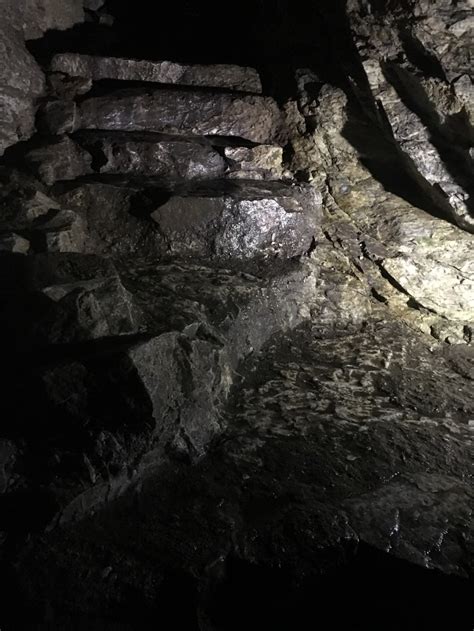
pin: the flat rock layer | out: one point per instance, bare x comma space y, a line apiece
243, 220
215, 76
253, 118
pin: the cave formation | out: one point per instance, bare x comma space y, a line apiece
237, 307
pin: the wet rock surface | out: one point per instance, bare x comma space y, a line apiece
245, 221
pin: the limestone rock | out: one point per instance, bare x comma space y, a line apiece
215, 76
254, 118
146, 155
263, 162
245, 221
61, 160
21, 84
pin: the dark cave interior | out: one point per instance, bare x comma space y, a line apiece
209, 520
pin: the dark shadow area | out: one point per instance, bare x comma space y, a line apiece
386, 163
373, 591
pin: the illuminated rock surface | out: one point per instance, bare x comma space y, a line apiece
236, 316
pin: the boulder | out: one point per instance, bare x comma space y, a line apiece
244, 221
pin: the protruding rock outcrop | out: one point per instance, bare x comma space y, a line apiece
167, 72
254, 118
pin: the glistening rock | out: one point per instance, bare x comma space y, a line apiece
243, 220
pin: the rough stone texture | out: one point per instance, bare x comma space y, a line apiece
21, 84
215, 443
169, 159
254, 118
63, 87
215, 76
264, 162
21, 212
416, 131
58, 117
196, 322
67, 298
61, 160
321, 454
113, 223
426, 258
413, 65
34, 17
245, 221
14, 243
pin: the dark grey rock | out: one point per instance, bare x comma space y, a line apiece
254, 118
318, 456
243, 221
35, 17
63, 87
21, 84
11, 242
97, 68
62, 160
113, 222
21, 210
264, 162
68, 298
169, 159
41, 221
58, 117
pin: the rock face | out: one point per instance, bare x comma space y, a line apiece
21, 84
169, 159
34, 17
253, 118
216, 76
247, 221
418, 70
236, 316
61, 160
